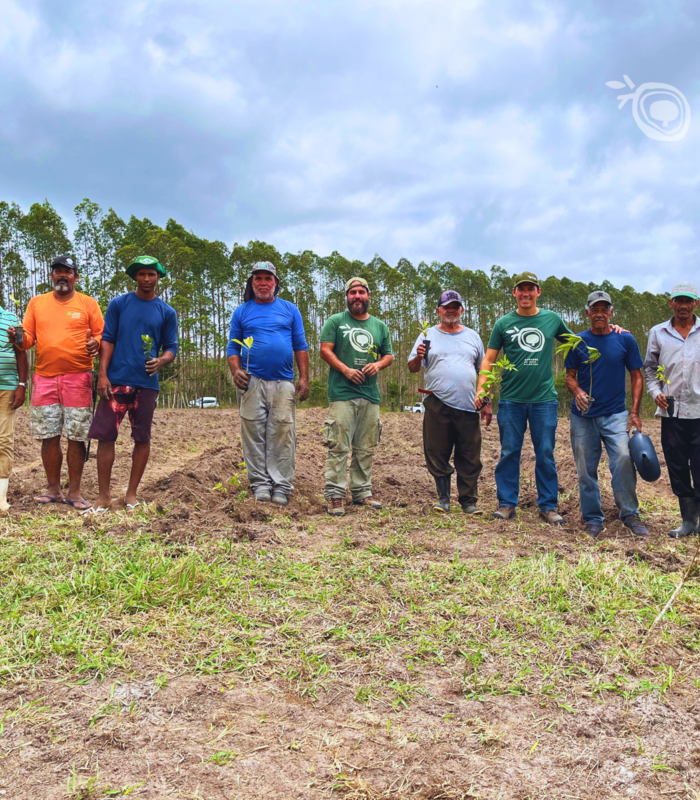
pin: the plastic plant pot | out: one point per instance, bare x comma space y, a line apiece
591, 400
671, 400
19, 334
426, 342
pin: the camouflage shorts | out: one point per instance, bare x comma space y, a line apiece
49, 421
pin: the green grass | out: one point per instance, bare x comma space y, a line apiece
383, 620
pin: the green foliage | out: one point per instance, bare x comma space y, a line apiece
424, 327
571, 342
661, 376
494, 375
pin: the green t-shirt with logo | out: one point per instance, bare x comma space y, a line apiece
528, 343
351, 338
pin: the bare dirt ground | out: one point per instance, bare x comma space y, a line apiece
221, 648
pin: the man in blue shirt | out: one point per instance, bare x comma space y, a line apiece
128, 374
601, 418
263, 371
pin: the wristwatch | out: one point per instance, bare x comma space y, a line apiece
23, 385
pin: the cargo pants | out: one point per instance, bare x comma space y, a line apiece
351, 425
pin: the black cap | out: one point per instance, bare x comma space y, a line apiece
65, 261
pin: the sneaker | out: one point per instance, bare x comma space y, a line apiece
263, 496
551, 516
442, 504
368, 501
635, 525
504, 512
594, 530
279, 498
336, 507
471, 508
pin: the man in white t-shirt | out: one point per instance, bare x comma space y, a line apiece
451, 421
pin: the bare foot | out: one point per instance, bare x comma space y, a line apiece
78, 503
131, 500
45, 499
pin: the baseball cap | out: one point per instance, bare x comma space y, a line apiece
450, 296
598, 297
65, 261
526, 277
361, 281
264, 266
685, 289
145, 261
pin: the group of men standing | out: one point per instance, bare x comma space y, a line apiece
357, 346
138, 337
68, 332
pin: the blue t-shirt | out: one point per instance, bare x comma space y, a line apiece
278, 332
129, 317
618, 352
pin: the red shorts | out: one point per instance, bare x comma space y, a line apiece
140, 405
69, 391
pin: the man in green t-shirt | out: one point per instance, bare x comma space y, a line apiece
14, 368
526, 337
356, 346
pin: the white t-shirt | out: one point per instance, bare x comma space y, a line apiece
454, 361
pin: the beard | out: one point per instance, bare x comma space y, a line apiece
62, 285
264, 294
363, 303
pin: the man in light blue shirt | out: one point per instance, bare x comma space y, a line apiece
263, 371
451, 421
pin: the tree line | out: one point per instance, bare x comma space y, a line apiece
206, 280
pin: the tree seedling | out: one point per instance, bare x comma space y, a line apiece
571, 342
670, 399
372, 351
19, 330
494, 375
248, 344
424, 326
147, 343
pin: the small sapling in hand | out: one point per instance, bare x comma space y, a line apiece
494, 375
19, 330
571, 342
424, 326
248, 344
670, 399
147, 343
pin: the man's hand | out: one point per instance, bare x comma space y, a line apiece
17, 398
104, 388
618, 329
486, 414
634, 421
420, 350
154, 365
11, 334
241, 378
480, 402
371, 369
91, 345
581, 400
302, 390
662, 402
355, 375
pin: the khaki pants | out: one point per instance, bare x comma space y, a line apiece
351, 424
268, 433
7, 433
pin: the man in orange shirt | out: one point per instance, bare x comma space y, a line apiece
66, 327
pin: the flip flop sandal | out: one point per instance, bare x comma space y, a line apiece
78, 505
41, 502
132, 506
92, 511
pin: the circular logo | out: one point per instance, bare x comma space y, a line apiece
530, 339
661, 111
360, 339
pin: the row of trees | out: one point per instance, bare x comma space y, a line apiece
206, 280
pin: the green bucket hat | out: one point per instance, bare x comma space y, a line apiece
145, 261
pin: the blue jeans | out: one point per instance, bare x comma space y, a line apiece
588, 434
513, 419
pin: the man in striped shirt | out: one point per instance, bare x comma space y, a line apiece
14, 367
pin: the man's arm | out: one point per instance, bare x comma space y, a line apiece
302, 359
415, 364
104, 387
156, 363
572, 384
375, 366
240, 376
637, 388
18, 396
357, 376
487, 364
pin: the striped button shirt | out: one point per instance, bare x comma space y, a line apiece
8, 362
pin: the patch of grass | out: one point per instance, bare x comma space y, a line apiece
537, 625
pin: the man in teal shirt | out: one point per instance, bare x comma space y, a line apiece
526, 337
356, 346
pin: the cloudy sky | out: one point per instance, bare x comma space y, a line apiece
461, 130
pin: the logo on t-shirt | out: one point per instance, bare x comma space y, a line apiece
529, 339
359, 338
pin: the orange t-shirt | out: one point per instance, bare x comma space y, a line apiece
60, 332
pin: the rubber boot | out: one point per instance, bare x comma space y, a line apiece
443, 488
4, 505
689, 514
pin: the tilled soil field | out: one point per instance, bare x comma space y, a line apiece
210, 647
